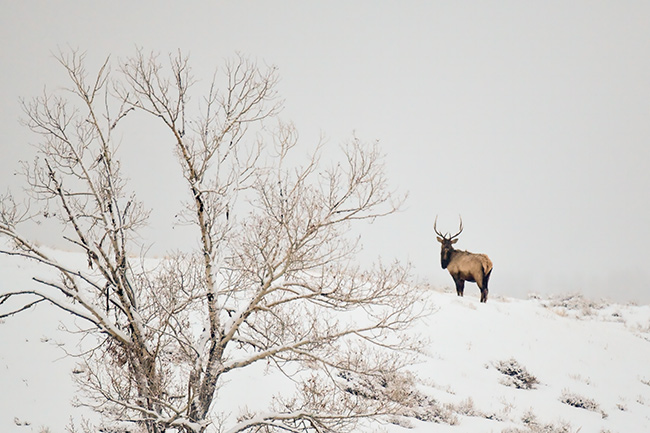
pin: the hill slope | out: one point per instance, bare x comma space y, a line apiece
587, 366
589, 355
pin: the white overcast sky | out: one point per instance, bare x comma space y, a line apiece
529, 118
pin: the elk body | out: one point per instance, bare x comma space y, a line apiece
463, 265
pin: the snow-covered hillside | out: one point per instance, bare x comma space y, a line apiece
506, 366
578, 351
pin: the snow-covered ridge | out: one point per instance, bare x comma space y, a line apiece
571, 346
586, 363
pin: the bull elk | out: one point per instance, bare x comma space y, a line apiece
463, 265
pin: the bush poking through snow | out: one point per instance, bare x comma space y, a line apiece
532, 425
516, 375
581, 402
397, 390
575, 302
574, 305
466, 407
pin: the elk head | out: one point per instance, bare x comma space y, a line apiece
447, 242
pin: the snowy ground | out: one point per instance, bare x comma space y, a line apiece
589, 354
574, 348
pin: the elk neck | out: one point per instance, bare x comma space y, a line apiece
446, 255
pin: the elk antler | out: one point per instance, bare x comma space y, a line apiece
435, 228
461, 228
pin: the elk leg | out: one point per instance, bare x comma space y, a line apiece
484, 287
460, 286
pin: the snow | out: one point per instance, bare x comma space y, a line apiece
592, 350
36, 388
601, 357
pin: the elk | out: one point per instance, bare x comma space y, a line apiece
463, 265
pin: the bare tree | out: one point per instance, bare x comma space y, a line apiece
274, 278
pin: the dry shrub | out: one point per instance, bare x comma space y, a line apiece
581, 402
532, 425
516, 375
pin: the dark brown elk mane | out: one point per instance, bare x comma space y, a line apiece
463, 265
